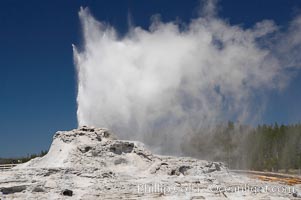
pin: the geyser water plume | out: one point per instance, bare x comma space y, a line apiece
160, 84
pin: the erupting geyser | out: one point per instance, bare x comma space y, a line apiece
156, 85
161, 86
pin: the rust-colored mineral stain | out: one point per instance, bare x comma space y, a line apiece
287, 179
284, 180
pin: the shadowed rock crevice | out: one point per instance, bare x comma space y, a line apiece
13, 189
122, 147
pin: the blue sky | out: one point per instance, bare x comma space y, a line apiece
37, 76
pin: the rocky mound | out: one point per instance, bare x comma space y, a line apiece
91, 163
98, 148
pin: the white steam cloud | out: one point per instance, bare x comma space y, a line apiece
159, 84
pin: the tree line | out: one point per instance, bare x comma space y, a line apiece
266, 147
22, 159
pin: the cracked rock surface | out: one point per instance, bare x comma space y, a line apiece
90, 163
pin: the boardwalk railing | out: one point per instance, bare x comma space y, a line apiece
7, 166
